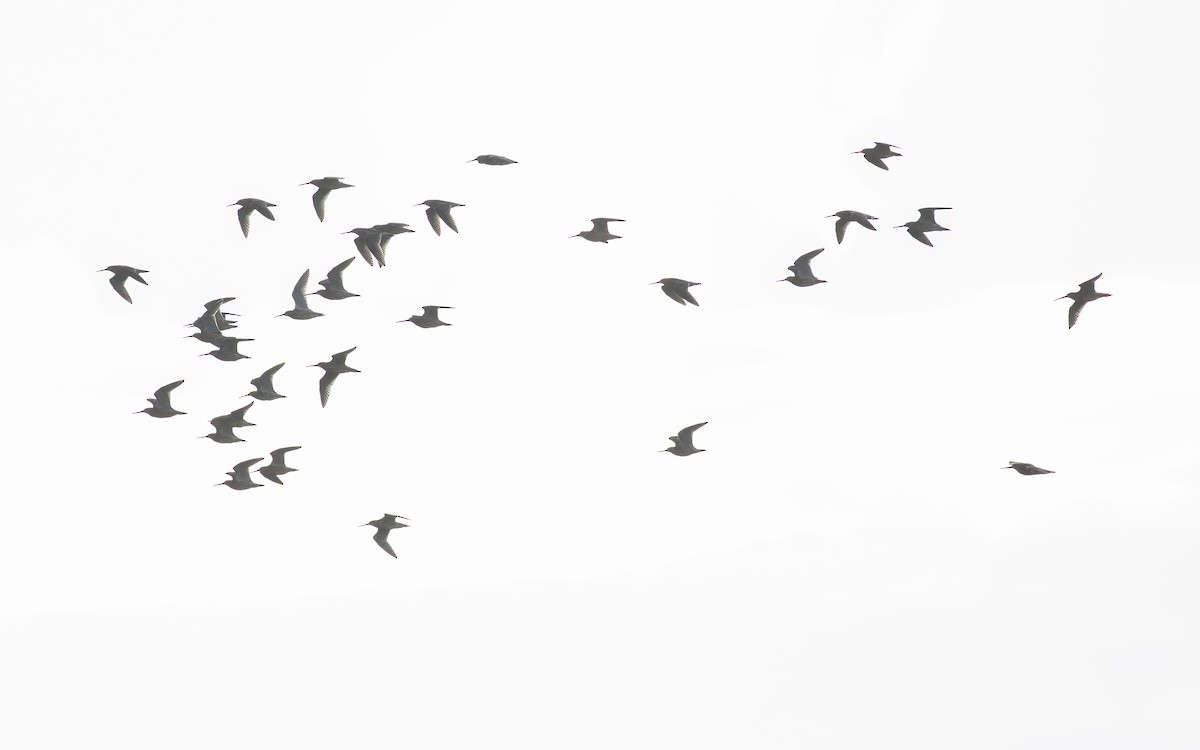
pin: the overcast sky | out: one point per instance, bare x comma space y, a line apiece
844, 567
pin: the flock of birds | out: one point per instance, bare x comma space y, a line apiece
371, 243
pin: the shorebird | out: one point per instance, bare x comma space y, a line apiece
249, 206
429, 318
382, 527
226, 350
264, 386
677, 289
387, 232
160, 404
1026, 469
493, 160
926, 223
213, 308
240, 476
802, 274
277, 467
1087, 293
300, 310
235, 418
369, 242
877, 153
223, 433
120, 274
333, 288
438, 212
334, 367
845, 217
599, 231
683, 445
325, 186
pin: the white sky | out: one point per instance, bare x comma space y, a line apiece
844, 567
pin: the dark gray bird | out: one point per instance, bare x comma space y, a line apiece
369, 242
278, 467
382, 527
239, 478
300, 309
264, 386
334, 367
223, 433
333, 287
493, 160
802, 274
1026, 469
677, 289
845, 217
1087, 293
325, 186
213, 308
926, 223
683, 445
877, 153
248, 206
235, 418
438, 212
429, 318
119, 276
599, 231
160, 404
227, 350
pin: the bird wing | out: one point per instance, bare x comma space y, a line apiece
279, 455
241, 471
1089, 286
271, 474
927, 213
263, 208
919, 236
162, 397
319, 201
840, 228
244, 219
374, 242
326, 386
363, 250
431, 213
118, 283
381, 538
803, 265
686, 294
298, 292
340, 357
864, 220
685, 435
444, 213
876, 159
136, 275
673, 293
1073, 313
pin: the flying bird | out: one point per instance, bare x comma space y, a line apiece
235, 418
1026, 469
248, 206
300, 309
877, 153
677, 289
227, 350
369, 242
429, 318
845, 217
926, 223
222, 433
213, 308
382, 527
334, 367
325, 186
333, 287
802, 274
160, 404
278, 467
683, 445
493, 160
120, 274
599, 231
438, 212
1087, 293
240, 476
264, 386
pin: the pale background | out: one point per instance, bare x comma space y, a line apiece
845, 567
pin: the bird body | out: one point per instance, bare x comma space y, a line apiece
235, 418
429, 318
845, 217
278, 467
264, 385
802, 274
599, 231
683, 445
926, 223
677, 289
333, 287
248, 206
226, 350
160, 404
382, 527
877, 153
223, 433
325, 186
334, 367
369, 242
493, 160
120, 274
300, 309
1087, 293
439, 211
1026, 469
239, 478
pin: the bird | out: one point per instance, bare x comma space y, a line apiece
222, 433
926, 223
877, 153
235, 418
300, 310
599, 232
1087, 293
240, 476
333, 288
226, 350
1026, 469
369, 242
492, 159
429, 318
249, 206
845, 217
264, 387
325, 186
122, 273
677, 289
802, 274
438, 212
213, 308
683, 445
382, 527
334, 367
277, 467
160, 404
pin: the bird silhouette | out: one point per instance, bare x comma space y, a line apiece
492, 159
227, 350
325, 186
802, 274
677, 289
877, 153
438, 212
334, 367
1087, 293
235, 418
278, 467
333, 286
429, 318
926, 223
248, 206
222, 433
300, 309
120, 274
239, 478
264, 385
845, 217
382, 527
1026, 469
599, 231
160, 404
683, 445
369, 242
